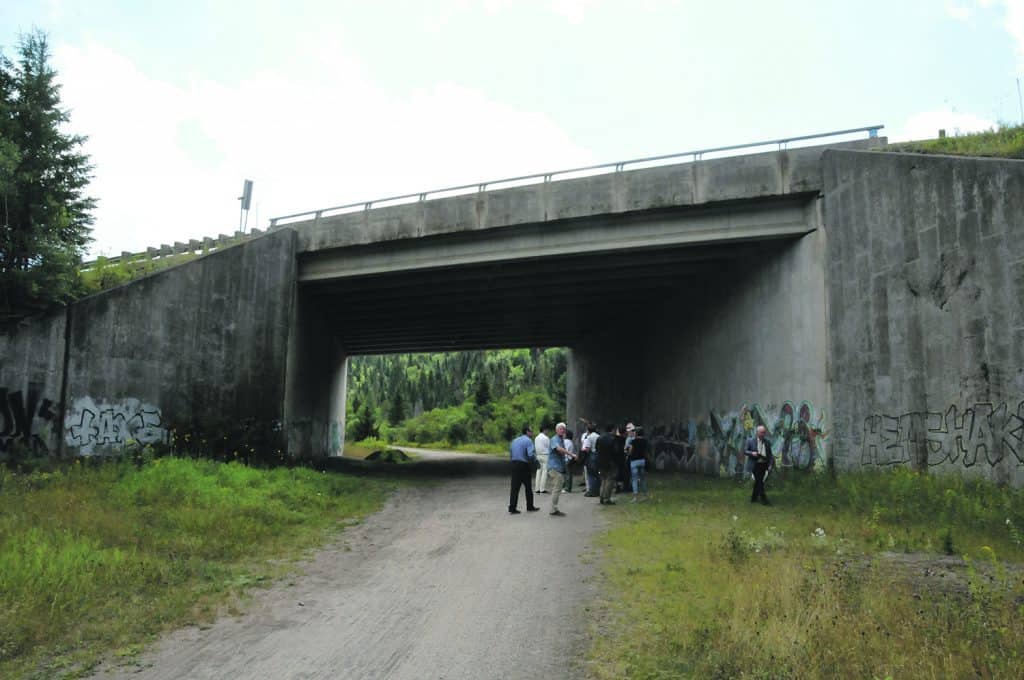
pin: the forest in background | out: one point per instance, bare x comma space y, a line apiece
454, 398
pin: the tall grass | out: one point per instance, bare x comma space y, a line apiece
100, 558
821, 585
1006, 141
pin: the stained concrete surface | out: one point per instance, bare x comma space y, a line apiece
443, 583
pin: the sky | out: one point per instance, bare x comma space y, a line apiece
334, 102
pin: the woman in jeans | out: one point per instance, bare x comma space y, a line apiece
638, 463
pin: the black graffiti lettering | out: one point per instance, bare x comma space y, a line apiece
983, 432
19, 413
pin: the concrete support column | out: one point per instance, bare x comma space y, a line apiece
316, 384
338, 398
602, 384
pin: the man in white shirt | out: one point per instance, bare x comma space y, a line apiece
589, 445
542, 445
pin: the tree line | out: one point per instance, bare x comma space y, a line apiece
453, 397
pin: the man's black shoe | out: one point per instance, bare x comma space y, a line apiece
533, 509
513, 511
609, 502
765, 502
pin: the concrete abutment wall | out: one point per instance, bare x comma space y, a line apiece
722, 354
198, 349
926, 288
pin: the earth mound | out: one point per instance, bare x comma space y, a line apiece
389, 456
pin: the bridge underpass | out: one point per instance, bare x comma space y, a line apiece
608, 288
543, 302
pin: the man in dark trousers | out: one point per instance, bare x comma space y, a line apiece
609, 451
759, 450
523, 458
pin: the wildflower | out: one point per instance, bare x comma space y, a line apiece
734, 518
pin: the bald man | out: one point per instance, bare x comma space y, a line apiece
759, 450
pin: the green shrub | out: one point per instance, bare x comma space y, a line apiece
496, 422
96, 556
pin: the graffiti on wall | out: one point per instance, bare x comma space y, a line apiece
26, 419
981, 434
89, 425
715, 445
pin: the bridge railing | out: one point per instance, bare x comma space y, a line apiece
210, 244
541, 177
193, 247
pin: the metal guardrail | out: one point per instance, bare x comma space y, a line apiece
618, 166
210, 244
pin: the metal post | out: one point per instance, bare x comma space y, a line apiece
1020, 102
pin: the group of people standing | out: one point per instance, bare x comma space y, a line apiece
611, 461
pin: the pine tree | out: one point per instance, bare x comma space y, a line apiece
396, 412
482, 397
45, 216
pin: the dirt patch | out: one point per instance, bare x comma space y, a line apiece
944, 574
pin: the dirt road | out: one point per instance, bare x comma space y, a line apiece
443, 583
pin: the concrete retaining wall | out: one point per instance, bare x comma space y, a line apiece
925, 267
199, 348
31, 378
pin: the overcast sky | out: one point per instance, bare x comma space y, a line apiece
323, 103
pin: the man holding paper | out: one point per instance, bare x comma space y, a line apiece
759, 450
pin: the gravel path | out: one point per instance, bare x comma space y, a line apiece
442, 583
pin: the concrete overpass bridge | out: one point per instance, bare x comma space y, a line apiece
803, 288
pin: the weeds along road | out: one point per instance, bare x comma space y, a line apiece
442, 583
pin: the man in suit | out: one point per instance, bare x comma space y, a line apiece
759, 450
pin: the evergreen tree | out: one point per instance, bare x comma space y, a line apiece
45, 216
396, 412
364, 424
482, 396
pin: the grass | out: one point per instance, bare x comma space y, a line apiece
831, 581
100, 559
1004, 142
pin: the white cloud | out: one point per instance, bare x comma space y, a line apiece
1014, 24
1013, 19
958, 11
170, 160
574, 11
926, 125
